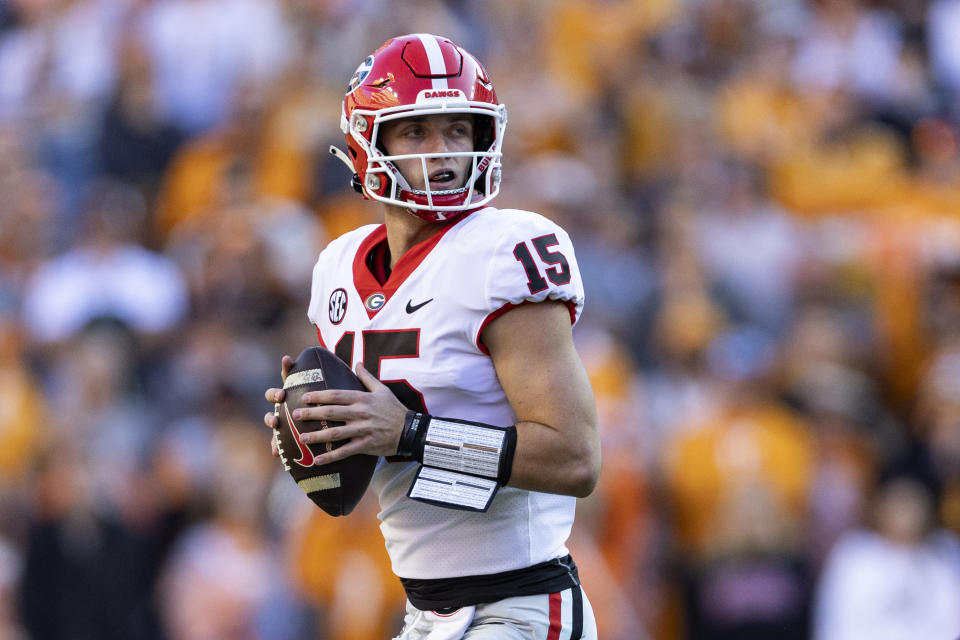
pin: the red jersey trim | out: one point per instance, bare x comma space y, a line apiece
320, 338
367, 284
571, 307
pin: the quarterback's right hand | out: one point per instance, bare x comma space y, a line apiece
274, 395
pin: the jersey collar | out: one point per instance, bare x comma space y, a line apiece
366, 283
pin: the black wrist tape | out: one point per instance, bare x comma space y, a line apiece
459, 445
414, 429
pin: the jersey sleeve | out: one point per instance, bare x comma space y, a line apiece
315, 308
533, 261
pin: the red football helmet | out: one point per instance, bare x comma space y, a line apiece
421, 74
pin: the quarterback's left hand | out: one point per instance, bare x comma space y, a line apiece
373, 421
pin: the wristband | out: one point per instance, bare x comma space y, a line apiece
410, 434
462, 446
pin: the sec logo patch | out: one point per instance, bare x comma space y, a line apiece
338, 306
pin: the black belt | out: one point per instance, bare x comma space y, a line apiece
552, 576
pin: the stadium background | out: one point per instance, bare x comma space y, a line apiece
764, 198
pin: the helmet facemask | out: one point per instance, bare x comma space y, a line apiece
384, 182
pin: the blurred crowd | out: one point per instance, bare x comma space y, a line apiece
765, 200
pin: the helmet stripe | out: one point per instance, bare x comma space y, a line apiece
435, 57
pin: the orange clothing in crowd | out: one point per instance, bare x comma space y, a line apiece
865, 171
22, 424
759, 455
342, 568
586, 42
200, 171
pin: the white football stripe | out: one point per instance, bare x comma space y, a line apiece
435, 57
303, 377
320, 483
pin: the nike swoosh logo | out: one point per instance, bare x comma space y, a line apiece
413, 307
306, 456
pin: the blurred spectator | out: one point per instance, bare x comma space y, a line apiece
59, 57
937, 422
737, 481
10, 569
942, 22
247, 254
221, 580
8, 16
101, 405
759, 114
247, 153
23, 419
587, 43
821, 374
217, 362
86, 573
738, 487
108, 274
621, 276
135, 143
57, 66
204, 51
28, 222
679, 389
848, 47
752, 250
898, 579
333, 581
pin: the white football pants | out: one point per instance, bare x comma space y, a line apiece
555, 616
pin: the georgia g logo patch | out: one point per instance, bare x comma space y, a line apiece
360, 74
374, 301
337, 308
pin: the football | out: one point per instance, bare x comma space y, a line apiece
336, 487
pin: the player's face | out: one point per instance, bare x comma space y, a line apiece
437, 133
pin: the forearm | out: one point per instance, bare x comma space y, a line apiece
547, 461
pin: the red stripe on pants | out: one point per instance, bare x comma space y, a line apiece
555, 623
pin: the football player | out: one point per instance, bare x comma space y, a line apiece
457, 317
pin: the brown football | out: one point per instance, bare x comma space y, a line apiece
336, 487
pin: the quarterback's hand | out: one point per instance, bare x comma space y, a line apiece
373, 421
275, 396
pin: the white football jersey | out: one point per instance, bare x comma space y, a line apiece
419, 333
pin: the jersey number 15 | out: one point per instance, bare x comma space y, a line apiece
559, 270
380, 344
